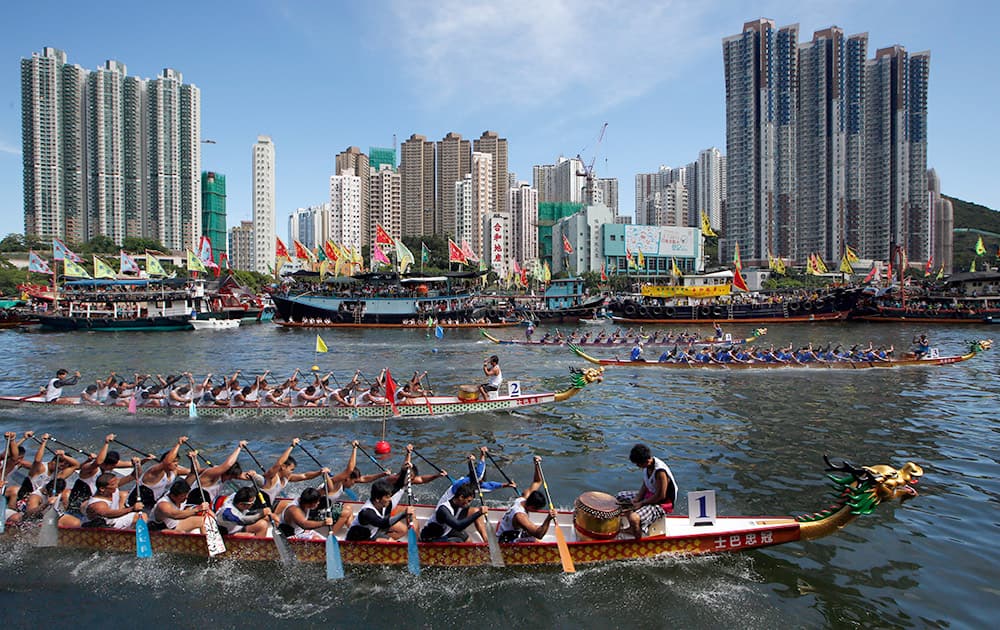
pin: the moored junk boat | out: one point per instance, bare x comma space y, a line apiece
124, 305
592, 535
962, 298
933, 358
466, 402
380, 298
564, 300
228, 299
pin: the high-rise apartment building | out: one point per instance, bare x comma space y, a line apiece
943, 217
309, 226
345, 210
377, 156
491, 142
262, 195
709, 176
607, 187
473, 200
351, 161
454, 161
561, 181
213, 211
385, 197
825, 149
523, 243
417, 181
241, 247
108, 154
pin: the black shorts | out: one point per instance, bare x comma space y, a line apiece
489, 388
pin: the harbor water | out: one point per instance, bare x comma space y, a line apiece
757, 438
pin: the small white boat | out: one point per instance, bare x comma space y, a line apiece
214, 324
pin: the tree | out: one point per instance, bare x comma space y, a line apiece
136, 244
99, 245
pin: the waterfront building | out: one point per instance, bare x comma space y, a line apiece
660, 245
213, 211
943, 220
709, 175
550, 212
241, 247
583, 231
497, 236
523, 241
454, 162
491, 142
263, 199
345, 210
385, 198
417, 181
473, 200
352, 161
309, 226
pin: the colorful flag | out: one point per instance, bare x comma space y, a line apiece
37, 264
390, 392
845, 265
425, 254
929, 267
566, 246
852, 256
103, 269
737, 261
467, 251
153, 266
972, 267
194, 264
61, 252
331, 251
301, 251
205, 253
378, 256
524, 276
706, 225
604, 272
382, 237
403, 255
74, 270
674, 269
739, 282
980, 248
438, 331
224, 259
640, 260
547, 272
940, 273
820, 265
320, 344
280, 251
455, 253
127, 264
628, 258
871, 274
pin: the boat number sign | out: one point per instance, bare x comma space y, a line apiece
701, 508
513, 389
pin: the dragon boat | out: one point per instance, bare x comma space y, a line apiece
859, 490
411, 325
467, 401
628, 341
933, 358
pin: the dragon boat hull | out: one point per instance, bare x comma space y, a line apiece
835, 365
419, 326
622, 343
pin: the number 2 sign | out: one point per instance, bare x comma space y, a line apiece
513, 389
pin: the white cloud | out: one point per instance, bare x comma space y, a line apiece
10, 149
527, 53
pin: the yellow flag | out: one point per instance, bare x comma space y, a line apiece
153, 266
73, 270
103, 269
820, 265
194, 263
674, 269
641, 261
972, 267
980, 248
320, 344
845, 265
706, 225
852, 256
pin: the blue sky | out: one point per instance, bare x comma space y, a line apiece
321, 76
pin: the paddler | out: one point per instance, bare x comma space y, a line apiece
656, 496
107, 507
53, 389
516, 526
453, 515
214, 477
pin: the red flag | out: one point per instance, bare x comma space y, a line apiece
300, 251
524, 276
566, 246
330, 251
604, 274
929, 266
739, 282
871, 274
382, 237
390, 392
455, 253
280, 251
888, 272
224, 259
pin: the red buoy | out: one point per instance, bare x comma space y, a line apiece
382, 448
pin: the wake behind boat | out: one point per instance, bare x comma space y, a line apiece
592, 531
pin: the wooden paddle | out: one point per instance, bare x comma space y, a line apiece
334, 562
567, 560
412, 553
496, 555
280, 542
143, 546
3, 486
213, 539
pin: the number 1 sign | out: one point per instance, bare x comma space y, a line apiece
701, 508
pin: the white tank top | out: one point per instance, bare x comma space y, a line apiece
649, 480
507, 523
161, 487
159, 516
114, 502
275, 489
497, 378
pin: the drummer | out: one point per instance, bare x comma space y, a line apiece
516, 525
655, 498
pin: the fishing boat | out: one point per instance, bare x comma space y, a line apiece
592, 531
626, 341
933, 358
228, 299
382, 298
467, 401
963, 298
214, 324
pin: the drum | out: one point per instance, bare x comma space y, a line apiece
468, 392
596, 516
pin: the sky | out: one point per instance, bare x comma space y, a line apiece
318, 77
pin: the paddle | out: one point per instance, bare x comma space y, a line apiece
192, 409
374, 461
3, 486
334, 563
213, 539
350, 493
280, 543
72, 448
564, 557
513, 486
431, 464
134, 449
496, 555
48, 535
412, 553
143, 546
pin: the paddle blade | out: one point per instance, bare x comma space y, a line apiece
143, 546
412, 554
3, 514
350, 494
192, 410
48, 535
496, 555
334, 563
567, 560
285, 553
131, 405
212, 537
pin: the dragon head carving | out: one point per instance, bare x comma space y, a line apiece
585, 376
867, 486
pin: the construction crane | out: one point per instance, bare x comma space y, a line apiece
588, 169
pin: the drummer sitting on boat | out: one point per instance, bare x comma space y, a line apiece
491, 368
655, 498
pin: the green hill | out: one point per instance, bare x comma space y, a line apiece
973, 215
